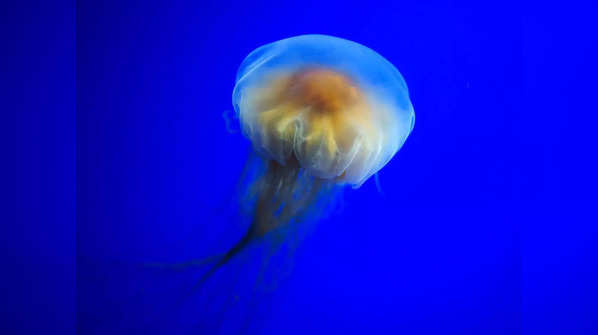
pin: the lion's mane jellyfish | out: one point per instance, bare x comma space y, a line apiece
321, 112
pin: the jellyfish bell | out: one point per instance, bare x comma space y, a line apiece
321, 112
336, 106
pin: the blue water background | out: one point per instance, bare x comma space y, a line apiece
468, 206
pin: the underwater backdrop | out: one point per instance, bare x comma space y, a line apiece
434, 248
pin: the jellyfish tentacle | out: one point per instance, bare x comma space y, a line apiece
247, 238
276, 190
278, 186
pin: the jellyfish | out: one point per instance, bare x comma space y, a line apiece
321, 113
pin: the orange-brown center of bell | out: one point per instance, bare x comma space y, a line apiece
323, 90
327, 103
